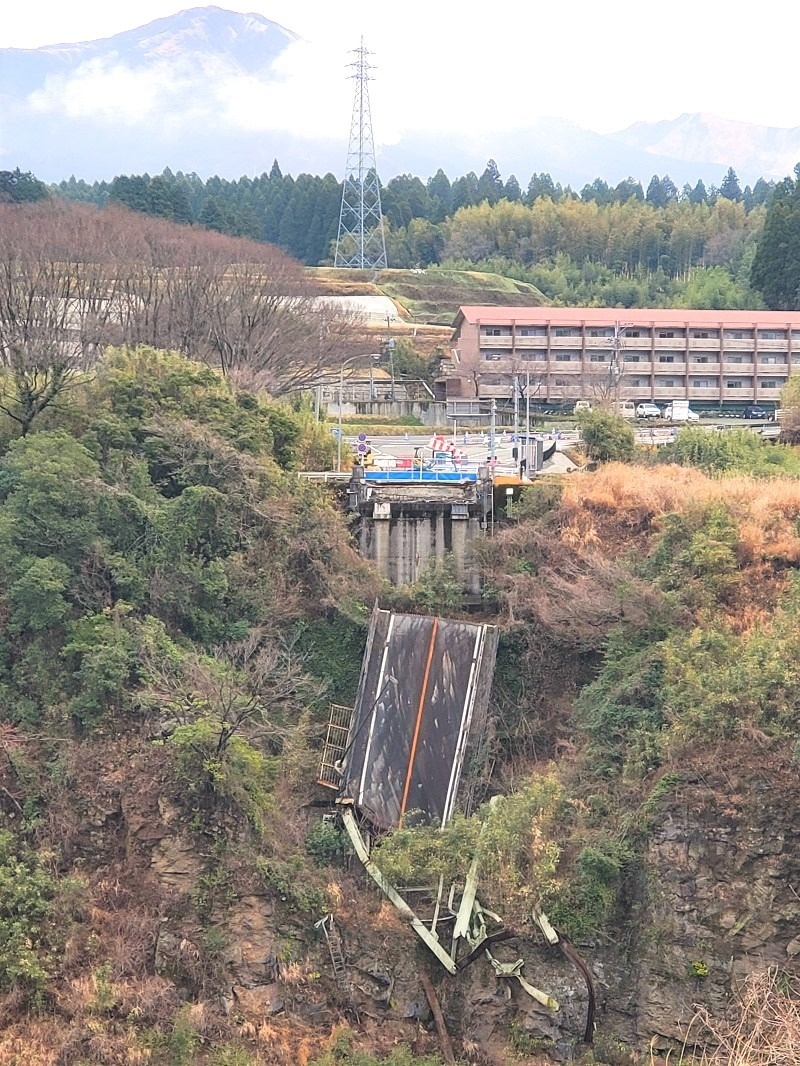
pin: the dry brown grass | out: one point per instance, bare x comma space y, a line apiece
620, 508
639, 495
762, 1029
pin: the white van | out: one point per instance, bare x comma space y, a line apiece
627, 408
679, 411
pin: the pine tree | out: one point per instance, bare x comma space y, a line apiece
776, 266
730, 187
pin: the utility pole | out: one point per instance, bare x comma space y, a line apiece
361, 242
390, 349
615, 369
516, 419
527, 422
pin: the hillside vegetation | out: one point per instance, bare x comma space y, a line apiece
622, 246
430, 296
177, 609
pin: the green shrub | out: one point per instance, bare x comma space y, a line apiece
607, 437
326, 843
342, 1053
30, 932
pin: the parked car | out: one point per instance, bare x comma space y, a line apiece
680, 412
647, 410
755, 411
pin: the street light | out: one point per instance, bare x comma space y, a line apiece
347, 362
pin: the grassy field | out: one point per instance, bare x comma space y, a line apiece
432, 296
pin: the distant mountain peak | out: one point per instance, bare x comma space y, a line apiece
198, 24
703, 138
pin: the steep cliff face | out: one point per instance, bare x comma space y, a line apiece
723, 869
169, 927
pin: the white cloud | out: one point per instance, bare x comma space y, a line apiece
107, 90
441, 66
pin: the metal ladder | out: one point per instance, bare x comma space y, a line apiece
334, 942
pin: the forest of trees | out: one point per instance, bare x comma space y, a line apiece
301, 214
622, 245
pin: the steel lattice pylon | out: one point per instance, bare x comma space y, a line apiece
361, 242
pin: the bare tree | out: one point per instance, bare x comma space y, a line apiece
257, 687
74, 279
54, 307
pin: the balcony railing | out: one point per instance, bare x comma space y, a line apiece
741, 345
661, 343
738, 368
704, 343
704, 368
781, 345
530, 366
675, 393
530, 342
669, 368
600, 342
566, 342
503, 341
747, 392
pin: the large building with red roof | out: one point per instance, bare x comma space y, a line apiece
712, 358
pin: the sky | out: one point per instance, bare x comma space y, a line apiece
442, 65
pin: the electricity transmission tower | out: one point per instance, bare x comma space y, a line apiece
361, 242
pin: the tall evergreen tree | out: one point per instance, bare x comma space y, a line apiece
699, 194
730, 187
490, 184
512, 191
776, 266
439, 196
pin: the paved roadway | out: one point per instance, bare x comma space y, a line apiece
476, 447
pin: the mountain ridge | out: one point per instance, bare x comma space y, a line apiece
204, 91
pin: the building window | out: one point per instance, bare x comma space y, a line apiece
567, 333
633, 358
734, 358
493, 331
633, 333
703, 383
666, 358
701, 359
770, 384
563, 357
702, 335
734, 384
772, 334
559, 382
667, 383
666, 333
598, 358
529, 331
